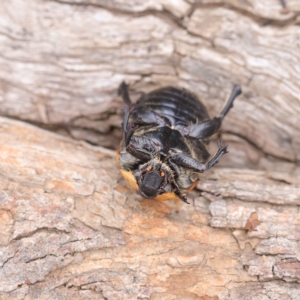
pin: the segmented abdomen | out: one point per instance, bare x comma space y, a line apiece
179, 106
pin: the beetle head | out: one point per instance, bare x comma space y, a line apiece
153, 178
150, 184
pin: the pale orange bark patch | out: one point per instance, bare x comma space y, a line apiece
252, 222
61, 185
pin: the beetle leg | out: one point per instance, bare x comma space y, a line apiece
221, 151
176, 189
181, 196
139, 147
130, 132
164, 184
146, 116
185, 161
139, 153
142, 148
208, 128
204, 129
123, 91
236, 91
142, 116
125, 119
128, 128
139, 116
174, 167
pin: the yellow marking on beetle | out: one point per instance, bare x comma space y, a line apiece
130, 179
193, 186
166, 196
127, 174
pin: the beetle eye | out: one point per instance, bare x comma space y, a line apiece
150, 184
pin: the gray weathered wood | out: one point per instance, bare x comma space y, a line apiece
65, 59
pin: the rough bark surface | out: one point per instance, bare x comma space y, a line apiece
70, 226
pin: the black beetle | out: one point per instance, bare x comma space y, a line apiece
164, 141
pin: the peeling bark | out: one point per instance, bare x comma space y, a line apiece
70, 226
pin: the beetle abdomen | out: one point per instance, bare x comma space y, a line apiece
179, 106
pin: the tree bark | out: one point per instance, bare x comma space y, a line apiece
70, 226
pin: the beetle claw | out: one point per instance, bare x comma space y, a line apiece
184, 199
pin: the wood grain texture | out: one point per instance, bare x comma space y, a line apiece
65, 60
72, 228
